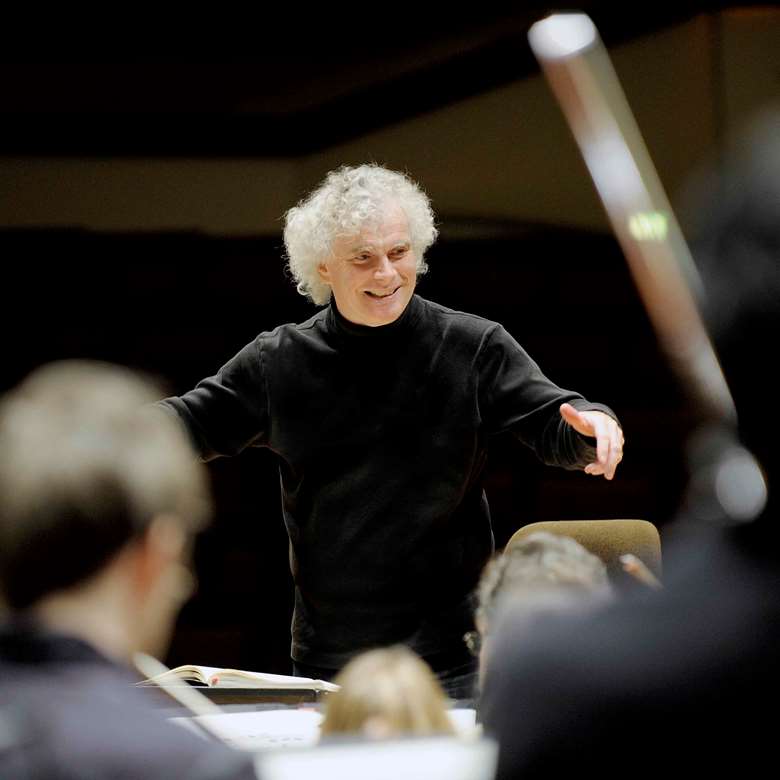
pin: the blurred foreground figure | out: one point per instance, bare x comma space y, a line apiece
675, 681
389, 692
540, 574
98, 503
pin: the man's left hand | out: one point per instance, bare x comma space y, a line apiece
608, 435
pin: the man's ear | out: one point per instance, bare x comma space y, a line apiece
324, 272
161, 545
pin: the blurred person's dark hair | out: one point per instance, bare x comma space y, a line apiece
735, 239
84, 469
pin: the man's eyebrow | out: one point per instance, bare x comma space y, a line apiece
369, 247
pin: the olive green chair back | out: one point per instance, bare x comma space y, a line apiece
608, 539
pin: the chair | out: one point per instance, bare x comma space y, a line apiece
608, 539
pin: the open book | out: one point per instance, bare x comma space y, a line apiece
215, 677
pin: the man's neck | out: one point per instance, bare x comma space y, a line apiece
392, 329
95, 612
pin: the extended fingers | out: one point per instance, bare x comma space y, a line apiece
614, 454
609, 448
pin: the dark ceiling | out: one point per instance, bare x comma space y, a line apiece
279, 83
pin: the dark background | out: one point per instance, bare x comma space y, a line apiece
257, 82
177, 304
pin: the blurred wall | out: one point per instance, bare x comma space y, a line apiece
504, 154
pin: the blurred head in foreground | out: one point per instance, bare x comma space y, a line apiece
98, 502
386, 693
541, 572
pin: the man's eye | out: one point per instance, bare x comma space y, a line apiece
361, 258
399, 251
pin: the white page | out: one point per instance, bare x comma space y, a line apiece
430, 758
262, 730
268, 729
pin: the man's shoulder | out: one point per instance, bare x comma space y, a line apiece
316, 321
294, 331
454, 318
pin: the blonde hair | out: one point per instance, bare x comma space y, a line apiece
391, 689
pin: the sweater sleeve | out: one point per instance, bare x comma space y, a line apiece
514, 395
227, 412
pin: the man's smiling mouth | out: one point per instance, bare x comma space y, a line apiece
380, 297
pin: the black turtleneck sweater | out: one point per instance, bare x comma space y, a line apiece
382, 438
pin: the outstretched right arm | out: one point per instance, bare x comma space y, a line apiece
227, 412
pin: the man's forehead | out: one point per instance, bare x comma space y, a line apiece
392, 228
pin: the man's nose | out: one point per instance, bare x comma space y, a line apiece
384, 268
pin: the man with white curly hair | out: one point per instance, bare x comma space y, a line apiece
380, 408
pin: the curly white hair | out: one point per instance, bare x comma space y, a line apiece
349, 199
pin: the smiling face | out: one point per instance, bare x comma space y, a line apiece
372, 274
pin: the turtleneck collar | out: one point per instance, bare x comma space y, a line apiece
366, 334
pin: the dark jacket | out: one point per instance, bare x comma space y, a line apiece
66, 711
